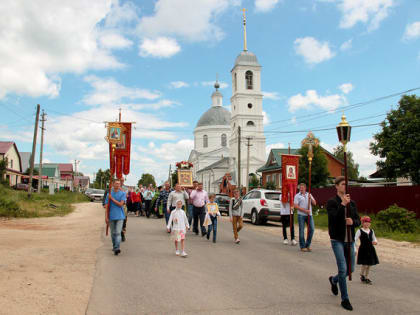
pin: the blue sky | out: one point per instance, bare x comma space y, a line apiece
157, 60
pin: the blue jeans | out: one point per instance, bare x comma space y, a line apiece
116, 228
302, 220
213, 227
165, 212
190, 213
339, 249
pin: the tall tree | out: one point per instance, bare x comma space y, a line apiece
3, 166
352, 166
147, 179
398, 144
102, 178
319, 170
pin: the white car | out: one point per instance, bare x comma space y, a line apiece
261, 205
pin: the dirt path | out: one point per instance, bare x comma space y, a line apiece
404, 254
47, 265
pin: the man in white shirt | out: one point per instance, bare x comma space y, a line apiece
304, 207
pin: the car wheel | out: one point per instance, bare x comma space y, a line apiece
254, 217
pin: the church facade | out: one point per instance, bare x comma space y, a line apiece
221, 136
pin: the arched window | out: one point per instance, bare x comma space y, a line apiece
205, 141
249, 105
224, 140
235, 80
248, 80
250, 124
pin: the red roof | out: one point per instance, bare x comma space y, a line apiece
64, 168
5, 146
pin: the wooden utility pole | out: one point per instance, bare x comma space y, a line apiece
247, 163
32, 161
239, 160
43, 120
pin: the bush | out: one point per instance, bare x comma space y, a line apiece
396, 219
10, 208
270, 186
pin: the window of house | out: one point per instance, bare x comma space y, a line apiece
268, 178
205, 141
250, 124
248, 80
224, 140
11, 164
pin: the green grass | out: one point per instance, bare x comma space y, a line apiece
16, 204
321, 221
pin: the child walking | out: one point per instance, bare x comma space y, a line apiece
212, 209
179, 222
366, 256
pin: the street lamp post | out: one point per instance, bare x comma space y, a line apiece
344, 132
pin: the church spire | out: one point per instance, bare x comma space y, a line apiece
244, 10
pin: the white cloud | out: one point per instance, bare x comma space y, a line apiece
278, 145
160, 47
223, 85
179, 84
370, 12
311, 98
346, 88
346, 45
312, 50
164, 103
412, 31
190, 20
266, 119
271, 95
109, 91
41, 39
265, 5
114, 41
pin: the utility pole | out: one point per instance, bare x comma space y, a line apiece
247, 163
239, 160
43, 120
170, 175
31, 171
75, 172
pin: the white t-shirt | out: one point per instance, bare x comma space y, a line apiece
285, 208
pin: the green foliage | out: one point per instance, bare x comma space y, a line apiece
146, 179
352, 166
3, 166
254, 182
319, 171
396, 219
270, 185
102, 179
398, 144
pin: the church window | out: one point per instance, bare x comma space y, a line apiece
224, 140
248, 79
205, 141
249, 105
234, 82
250, 124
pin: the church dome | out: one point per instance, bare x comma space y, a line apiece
215, 116
246, 58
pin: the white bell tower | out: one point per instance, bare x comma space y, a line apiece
246, 103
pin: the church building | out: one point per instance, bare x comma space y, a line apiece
222, 138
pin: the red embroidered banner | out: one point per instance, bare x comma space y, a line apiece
289, 176
120, 159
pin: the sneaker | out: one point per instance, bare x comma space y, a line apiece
334, 287
208, 236
346, 305
294, 243
308, 249
214, 241
237, 241
184, 254
177, 252
368, 281
285, 242
362, 278
116, 252
304, 249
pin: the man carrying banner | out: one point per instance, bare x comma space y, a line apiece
116, 215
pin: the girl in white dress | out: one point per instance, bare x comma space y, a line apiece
178, 220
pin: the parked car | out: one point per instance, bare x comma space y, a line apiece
21, 186
261, 205
96, 195
88, 191
223, 202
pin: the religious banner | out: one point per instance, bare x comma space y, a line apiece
119, 151
290, 176
185, 174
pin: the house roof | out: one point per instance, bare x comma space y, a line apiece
5, 146
275, 156
65, 167
48, 169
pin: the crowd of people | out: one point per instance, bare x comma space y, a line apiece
194, 207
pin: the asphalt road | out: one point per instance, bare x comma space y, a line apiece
259, 276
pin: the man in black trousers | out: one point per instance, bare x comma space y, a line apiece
341, 242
